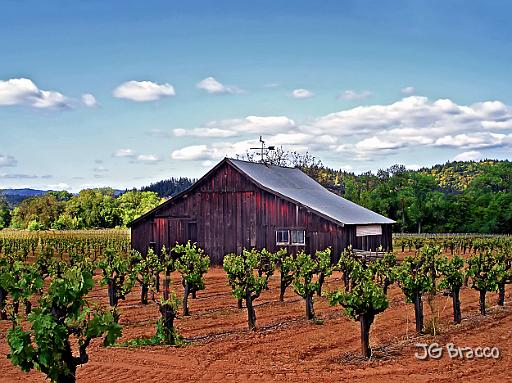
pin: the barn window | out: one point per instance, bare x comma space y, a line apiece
282, 237
298, 237
362, 231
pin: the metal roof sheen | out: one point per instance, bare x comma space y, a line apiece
294, 184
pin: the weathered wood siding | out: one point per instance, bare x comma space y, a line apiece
227, 212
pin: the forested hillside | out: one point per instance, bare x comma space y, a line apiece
454, 197
468, 197
170, 187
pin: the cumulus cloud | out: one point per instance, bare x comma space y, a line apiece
59, 186
408, 90
212, 86
302, 93
7, 160
89, 100
473, 155
239, 126
124, 153
148, 158
143, 91
23, 91
365, 132
213, 152
352, 95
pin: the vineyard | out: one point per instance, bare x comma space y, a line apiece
81, 305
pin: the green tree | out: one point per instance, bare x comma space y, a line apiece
21, 281
248, 277
62, 317
116, 274
5, 214
307, 270
366, 299
94, 208
502, 269
285, 263
452, 270
146, 268
41, 211
416, 278
482, 274
133, 204
192, 264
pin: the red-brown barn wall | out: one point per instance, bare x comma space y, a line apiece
232, 213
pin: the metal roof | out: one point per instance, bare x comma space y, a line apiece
295, 185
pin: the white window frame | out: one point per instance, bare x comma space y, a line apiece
288, 235
303, 243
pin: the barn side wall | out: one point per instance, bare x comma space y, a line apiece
227, 213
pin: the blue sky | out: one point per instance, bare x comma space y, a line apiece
96, 93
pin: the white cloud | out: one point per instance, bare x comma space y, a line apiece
468, 156
213, 152
192, 152
129, 153
59, 186
413, 167
365, 132
211, 85
148, 158
302, 93
408, 90
7, 160
23, 91
142, 91
473, 140
352, 95
89, 100
239, 126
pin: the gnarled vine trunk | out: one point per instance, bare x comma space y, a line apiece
168, 315
501, 294
482, 302
310, 312
366, 321
185, 300
3, 299
418, 311
144, 289
251, 314
457, 316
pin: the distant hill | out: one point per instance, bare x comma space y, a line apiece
457, 176
170, 187
15, 196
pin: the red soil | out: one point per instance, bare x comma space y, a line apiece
286, 347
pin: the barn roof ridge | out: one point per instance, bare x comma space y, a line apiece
294, 185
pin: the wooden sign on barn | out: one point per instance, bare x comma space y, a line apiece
240, 204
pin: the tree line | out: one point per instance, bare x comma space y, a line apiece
91, 208
457, 197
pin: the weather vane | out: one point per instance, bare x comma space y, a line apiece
263, 150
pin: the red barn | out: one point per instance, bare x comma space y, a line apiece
240, 204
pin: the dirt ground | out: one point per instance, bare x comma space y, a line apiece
286, 347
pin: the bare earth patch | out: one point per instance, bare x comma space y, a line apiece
286, 347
